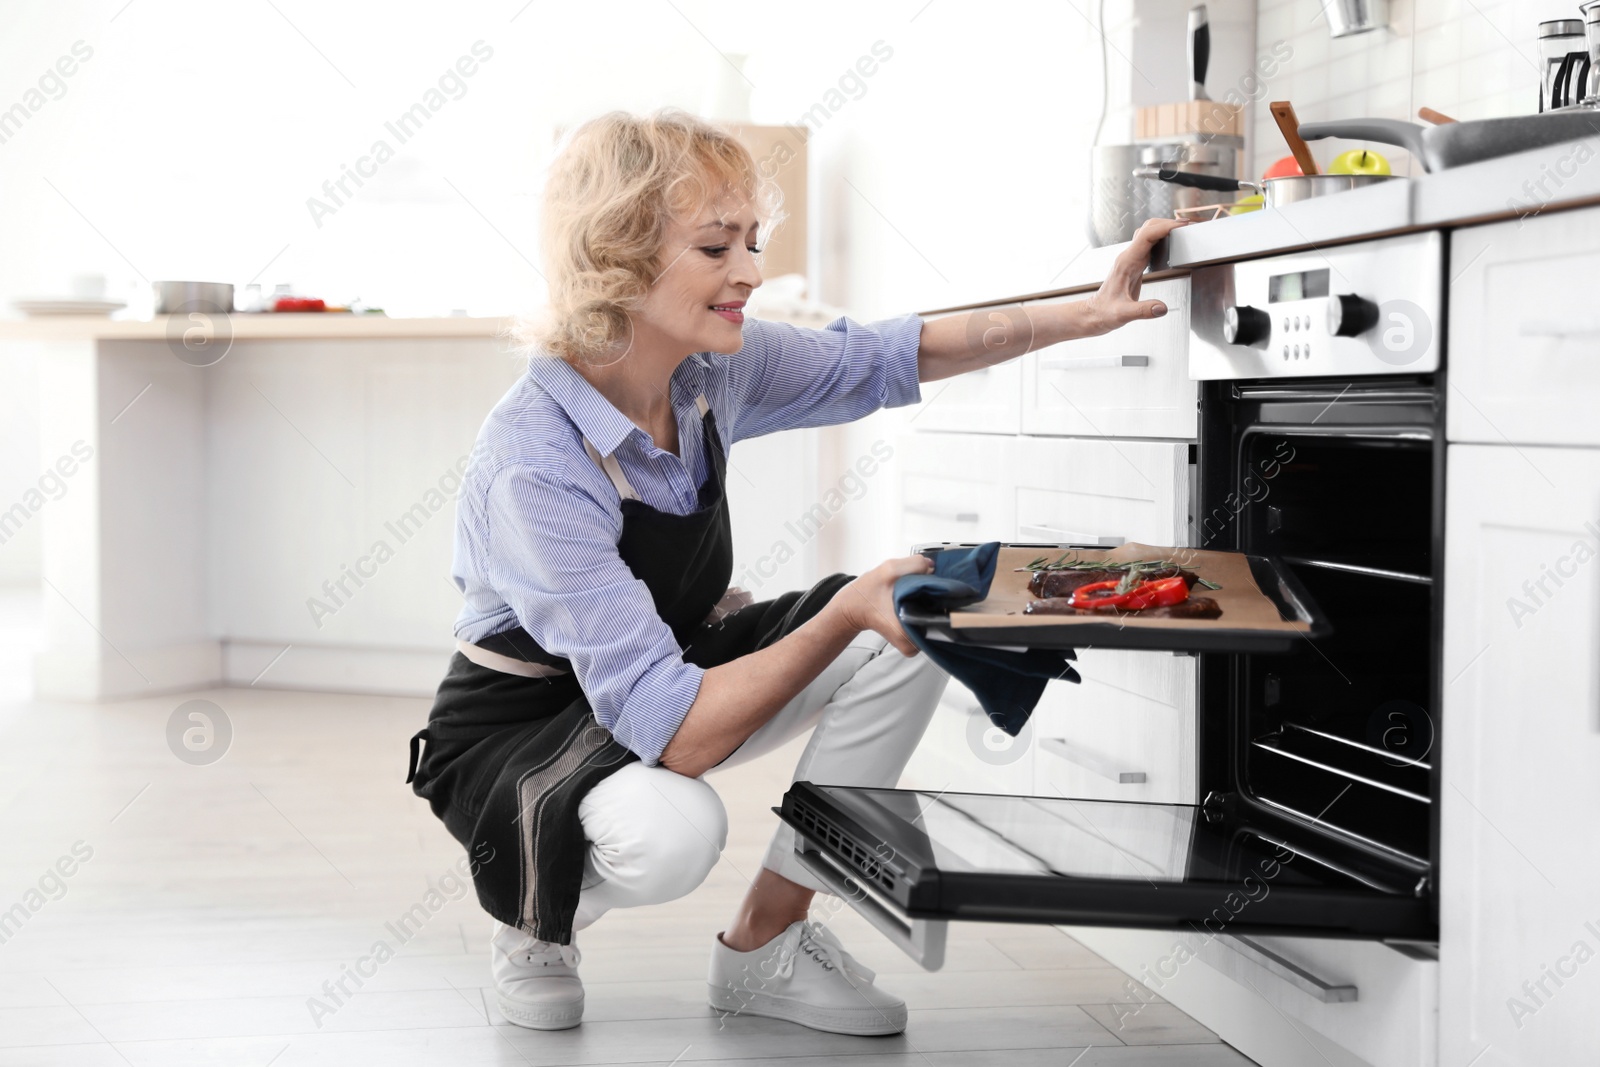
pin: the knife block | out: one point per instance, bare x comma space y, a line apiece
1208, 118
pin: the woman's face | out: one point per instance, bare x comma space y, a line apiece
708, 271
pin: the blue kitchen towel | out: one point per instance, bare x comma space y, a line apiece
1008, 684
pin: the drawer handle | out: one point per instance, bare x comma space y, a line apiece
1053, 533
1084, 362
1293, 973
1090, 762
934, 511
1558, 327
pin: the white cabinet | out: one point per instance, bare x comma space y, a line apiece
1131, 382
1520, 818
1083, 490
1126, 732
956, 487
1306, 1002
963, 752
987, 400
1525, 331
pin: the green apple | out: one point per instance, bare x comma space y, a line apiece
1359, 161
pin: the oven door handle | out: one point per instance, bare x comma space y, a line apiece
921, 939
1087, 362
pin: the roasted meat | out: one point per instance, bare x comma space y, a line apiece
1196, 607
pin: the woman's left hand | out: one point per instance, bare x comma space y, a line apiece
1117, 302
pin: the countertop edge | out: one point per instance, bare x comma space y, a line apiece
1519, 186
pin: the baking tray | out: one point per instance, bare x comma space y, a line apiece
1272, 611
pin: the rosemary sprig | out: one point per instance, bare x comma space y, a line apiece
1133, 569
1064, 564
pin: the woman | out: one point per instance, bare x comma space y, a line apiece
603, 663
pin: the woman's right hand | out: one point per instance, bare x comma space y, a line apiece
868, 602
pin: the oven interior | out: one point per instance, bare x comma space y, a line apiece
1336, 741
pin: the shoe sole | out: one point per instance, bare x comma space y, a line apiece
856, 1022
563, 1018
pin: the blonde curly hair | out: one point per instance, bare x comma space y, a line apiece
613, 190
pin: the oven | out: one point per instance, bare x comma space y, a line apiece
1320, 445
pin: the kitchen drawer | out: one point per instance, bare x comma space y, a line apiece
1086, 490
1131, 382
988, 400
956, 487
1126, 732
1288, 1001
962, 752
1524, 344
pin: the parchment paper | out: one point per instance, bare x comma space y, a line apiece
1244, 606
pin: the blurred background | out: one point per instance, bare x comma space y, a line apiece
945, 158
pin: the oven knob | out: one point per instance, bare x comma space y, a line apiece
1245, 325
1351, 315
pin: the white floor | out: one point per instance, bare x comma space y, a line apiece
217, 900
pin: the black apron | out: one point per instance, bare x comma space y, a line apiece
509, 757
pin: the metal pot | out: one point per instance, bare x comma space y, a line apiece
1215, 158
1457, 143
214, 298
1275, 192
1118, 201
1346, 17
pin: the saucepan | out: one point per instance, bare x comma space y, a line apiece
1457, 143
1275, 192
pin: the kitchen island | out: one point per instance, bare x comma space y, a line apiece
251, 498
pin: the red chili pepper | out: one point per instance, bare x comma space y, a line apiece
1087, 596
1156, 594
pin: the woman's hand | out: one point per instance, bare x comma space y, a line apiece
868, 602
1117, 302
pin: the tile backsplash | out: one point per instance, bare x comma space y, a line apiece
1470, 59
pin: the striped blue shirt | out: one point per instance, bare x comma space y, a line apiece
537, 521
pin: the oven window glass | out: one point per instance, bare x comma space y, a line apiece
1154, 843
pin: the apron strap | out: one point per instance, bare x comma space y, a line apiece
416, 740
613, 469
497, 661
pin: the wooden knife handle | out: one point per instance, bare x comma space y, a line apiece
1438, 118
1289, 126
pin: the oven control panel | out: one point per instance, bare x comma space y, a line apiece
1360, 309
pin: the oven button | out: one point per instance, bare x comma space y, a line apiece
1351, 315
1285, 351
1245, 325
1296, 351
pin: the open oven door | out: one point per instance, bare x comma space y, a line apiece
912, 860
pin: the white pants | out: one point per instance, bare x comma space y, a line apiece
655, 834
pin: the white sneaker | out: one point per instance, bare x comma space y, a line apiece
805, 976
536, 982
